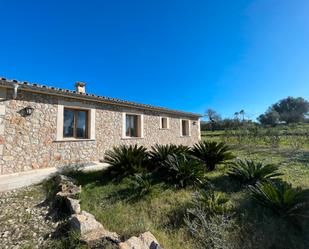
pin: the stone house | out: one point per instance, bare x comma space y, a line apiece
43, 126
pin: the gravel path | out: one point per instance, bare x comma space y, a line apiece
23, 222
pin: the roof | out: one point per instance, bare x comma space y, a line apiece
43, 89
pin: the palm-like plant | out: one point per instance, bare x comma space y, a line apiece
183, 170
213, 202
159, 153
142, 183
282, 199
127, 160
250, 172
211, 153
183, 149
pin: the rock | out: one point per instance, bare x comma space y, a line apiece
149, 240
84, 222
99, 235
145, 241
5, 234
73, 205
132, 243
69, 189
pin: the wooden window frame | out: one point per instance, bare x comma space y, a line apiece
75, 111
188, 134
137, 123
161, 123
140, 125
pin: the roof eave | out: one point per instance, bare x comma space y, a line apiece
42, 89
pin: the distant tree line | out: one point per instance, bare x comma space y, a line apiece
286, 111
215, 122
289, 110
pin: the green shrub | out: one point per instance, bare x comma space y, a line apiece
182, 149
142, 183
250, 172
183, 170
159, 153
208, 221
282, 199
214, 232
211, 153
211, 202
127, 160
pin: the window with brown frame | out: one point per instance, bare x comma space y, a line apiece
164, 124
185, 128
75, 123
133, 125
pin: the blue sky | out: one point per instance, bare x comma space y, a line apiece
188, 55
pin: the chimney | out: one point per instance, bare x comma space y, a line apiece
80, 87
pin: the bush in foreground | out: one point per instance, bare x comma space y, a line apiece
127, 160
282, 199
183, 170
213, 203
142, 184
212, 153
159, 153
212, 232
250, 172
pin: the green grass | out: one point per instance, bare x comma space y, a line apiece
119, 209
162, 211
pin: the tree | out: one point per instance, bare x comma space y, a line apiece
292, 110
242, 113
213, 117
236, 115
271, 117
288, 110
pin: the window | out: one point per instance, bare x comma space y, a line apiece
164, 123
133, 125
185, 128
75, 123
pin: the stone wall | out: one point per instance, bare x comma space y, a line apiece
30, 142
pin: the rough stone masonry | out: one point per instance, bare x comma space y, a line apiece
34, 141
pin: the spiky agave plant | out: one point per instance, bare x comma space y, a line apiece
282, 198
184, 170
127, 160
212, 153
250, 172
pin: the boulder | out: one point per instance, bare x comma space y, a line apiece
84, 222
99, 235
69, 189
91, 230
149, 240
73, 205
132, 243
144, 241
66, 186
